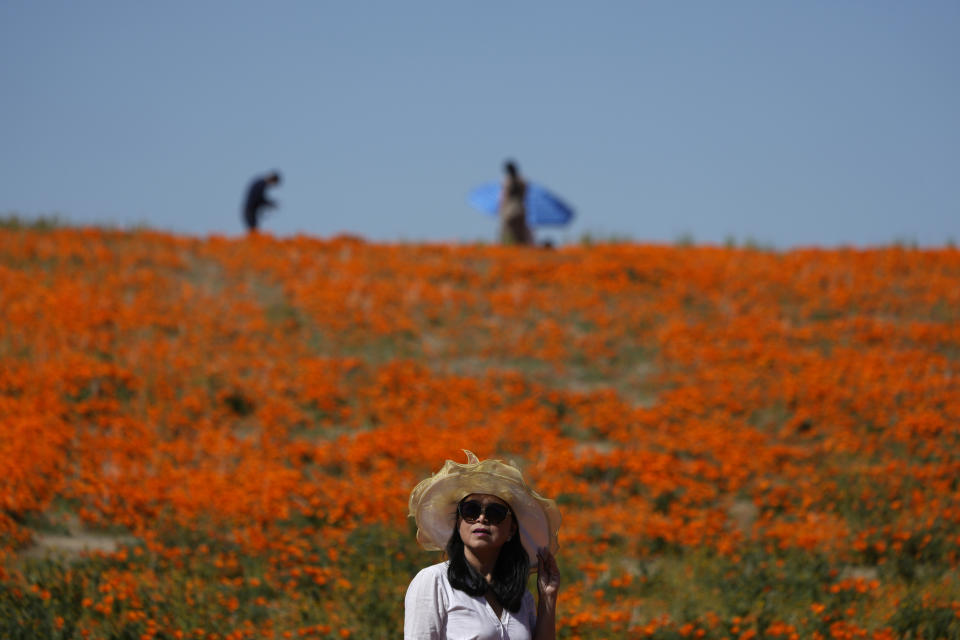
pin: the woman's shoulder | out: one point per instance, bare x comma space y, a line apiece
430, 584
527, 602
435, 572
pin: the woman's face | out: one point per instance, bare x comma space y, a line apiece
483, 536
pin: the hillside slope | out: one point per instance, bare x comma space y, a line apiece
217, 437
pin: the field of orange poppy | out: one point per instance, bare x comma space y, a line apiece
215, 438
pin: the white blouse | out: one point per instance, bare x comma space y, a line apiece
434, 610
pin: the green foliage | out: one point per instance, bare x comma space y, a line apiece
925, 620
685, 239
16, 222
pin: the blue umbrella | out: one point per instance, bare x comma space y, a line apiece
543, 208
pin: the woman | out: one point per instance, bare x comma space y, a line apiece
491, 525
513, 208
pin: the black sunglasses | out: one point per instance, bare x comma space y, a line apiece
471, 510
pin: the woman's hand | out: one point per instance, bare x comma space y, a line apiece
548, 575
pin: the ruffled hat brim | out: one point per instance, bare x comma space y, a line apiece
433, 503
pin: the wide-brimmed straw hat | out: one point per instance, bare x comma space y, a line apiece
433, 503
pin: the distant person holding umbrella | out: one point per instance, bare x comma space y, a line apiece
519, 205
513, 209
257, 199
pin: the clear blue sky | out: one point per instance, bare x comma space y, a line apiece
791, 123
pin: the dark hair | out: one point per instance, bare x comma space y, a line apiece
509, 575
511, 168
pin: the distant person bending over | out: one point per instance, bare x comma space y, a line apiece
513, 211
257, 199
